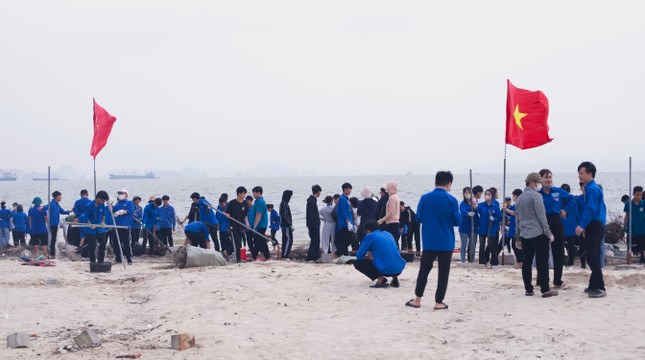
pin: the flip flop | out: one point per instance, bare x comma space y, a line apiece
442, 308
410, 304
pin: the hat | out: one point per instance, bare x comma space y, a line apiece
37, 201
328, 199
123, 190
534, 177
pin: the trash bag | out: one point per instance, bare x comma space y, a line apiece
191, 256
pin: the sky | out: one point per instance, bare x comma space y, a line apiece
327, 87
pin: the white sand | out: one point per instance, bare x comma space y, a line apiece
276, 309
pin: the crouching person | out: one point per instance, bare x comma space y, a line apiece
197, 235
385, 259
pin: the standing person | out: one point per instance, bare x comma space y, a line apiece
468, 242
5, 225
248, 237
414, 232
535, 235
553, 199
137, 216
274, 223
381, 207
167, 221
38, 227
353, 203
366, 210
193, 213
392, 211
19, 220
637, 223
592, 227
123, 210
328, 238
286, 223
345, 226
313, 224
237, 210
260, 225
79, 205
224, 228
569, 223
151, 223
404, 225
207, 216
95, 215
55, 211
511, 234
489, 219
438, 213
378, 257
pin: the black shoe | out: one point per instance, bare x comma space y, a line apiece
380, 284
395, 283
529, 293
586, 290
597, 293
129, 261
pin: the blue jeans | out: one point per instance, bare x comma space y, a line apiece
4, 237
467, 242
602, 253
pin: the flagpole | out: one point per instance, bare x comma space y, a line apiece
94, 177
629, 238
49, 218
472, 220
503, 227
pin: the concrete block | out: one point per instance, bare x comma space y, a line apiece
88, 338
182, 341
18, 341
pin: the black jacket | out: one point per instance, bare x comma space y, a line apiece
381, 206
285, 210
313, 216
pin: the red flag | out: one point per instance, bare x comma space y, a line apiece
527, 113
103, 122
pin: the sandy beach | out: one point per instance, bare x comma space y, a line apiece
292, 310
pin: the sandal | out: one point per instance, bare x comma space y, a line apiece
410, 304
442, 308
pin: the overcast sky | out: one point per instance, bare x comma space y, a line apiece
339, 87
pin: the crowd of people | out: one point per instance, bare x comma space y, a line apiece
539, 224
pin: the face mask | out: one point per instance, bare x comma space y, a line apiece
539, 187
120, 197
489, 198
468, 196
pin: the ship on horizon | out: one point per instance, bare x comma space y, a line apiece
8, 176
148, 175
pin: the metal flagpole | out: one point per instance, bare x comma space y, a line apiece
503, 227
472, 240
631, 200
94, 177
49, 218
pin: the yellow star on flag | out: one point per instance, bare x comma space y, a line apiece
518, 116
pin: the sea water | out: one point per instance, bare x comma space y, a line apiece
411, 187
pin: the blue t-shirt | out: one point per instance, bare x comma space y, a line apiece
385, 253
512, 222
20, 222
197, 227
222, 219
95, 214
5, 218
485, 211
466, 221
438, 213
260, 207
38, 223
638, 217
125, 219
594, 206
275, 220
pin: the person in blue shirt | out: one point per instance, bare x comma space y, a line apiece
378, 257
151, 223
511, 234
95, 216
574, 244
19, 220
467, 208
123, 210
637, 224
224, 235
345, 227
274, 223
260, 223
5, 224
554, 197
55, 211
592, 227
489, 218
137, 216
38, 227
197, 234
79, 205
438, 213
167, 221
207, 216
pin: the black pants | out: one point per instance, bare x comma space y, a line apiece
260, 245
149, 237
314, 245
165, 235
53, 229
575, 247
250, 241
226, 242
236, 235
594, 233
274, 241
557, 246
197, 239
394, 230
212, 231
134, 236
343, 240
638, 246
367, 268
519, 255
427, 259
287, 242
19, 238
124, 237
488, 249
91, 240
538, 247
413, 234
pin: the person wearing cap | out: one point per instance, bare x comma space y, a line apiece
151, 223
137, 216
123, 210
591, 227
55, 211
5, 224
313, 223
554, 200
38, 227
95, 216
535, 235
328, 238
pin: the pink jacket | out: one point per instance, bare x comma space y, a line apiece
393, 207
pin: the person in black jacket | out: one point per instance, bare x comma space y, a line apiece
381, 207
313, 224
366, 210
286, 223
